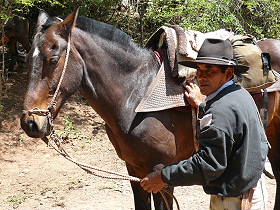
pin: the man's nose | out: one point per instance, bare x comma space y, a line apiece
201, 76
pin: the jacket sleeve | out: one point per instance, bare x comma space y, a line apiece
206, 165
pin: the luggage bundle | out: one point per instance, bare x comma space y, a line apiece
246, 51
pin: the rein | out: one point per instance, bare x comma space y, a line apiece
57, 141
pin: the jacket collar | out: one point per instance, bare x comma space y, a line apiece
212, 95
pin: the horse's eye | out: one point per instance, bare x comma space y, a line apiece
54, 59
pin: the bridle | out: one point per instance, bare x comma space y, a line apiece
49, 112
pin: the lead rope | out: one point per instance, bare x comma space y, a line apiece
58, 147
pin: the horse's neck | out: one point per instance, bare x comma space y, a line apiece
115, 80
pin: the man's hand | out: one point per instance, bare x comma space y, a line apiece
193, 95
153, 182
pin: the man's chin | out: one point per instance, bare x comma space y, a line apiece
204, 91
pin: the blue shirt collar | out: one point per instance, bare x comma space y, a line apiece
212, 95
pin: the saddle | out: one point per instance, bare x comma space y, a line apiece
167, 91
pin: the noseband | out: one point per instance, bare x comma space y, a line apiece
49, 112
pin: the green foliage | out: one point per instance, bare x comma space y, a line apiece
141, 18
69, 124
98, 9
260, 18
70, 131
257, 17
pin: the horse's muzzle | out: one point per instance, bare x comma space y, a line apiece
35, 126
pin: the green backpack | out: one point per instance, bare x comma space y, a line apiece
246, 52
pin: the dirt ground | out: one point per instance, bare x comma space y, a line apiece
35, 177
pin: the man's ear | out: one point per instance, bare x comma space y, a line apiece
230, 73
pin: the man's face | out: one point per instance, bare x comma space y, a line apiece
210, 77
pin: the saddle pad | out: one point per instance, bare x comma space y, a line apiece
163, 93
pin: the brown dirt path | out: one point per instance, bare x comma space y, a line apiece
35, 177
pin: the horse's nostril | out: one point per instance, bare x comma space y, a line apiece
32, 126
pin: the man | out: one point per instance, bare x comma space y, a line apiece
233, 144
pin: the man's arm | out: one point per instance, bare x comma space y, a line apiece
206, 165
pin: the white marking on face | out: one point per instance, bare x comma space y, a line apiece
36, 52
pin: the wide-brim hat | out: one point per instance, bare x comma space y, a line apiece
216, 52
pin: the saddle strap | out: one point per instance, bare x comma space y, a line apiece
194, 126
265, 109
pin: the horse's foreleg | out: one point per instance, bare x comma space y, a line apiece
273, 134
12, 55
142, 199
159, 202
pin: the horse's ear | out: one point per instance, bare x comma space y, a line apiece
42, 18
68, 23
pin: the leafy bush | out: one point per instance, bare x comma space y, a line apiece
140, 18
257, 17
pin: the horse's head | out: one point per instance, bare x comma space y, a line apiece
46, 61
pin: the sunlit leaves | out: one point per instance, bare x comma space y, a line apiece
257, 17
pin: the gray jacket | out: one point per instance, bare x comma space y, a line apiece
233, 146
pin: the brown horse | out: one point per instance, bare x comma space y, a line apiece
272, 47
16, 30
113, 74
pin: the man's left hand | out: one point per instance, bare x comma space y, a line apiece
153, 182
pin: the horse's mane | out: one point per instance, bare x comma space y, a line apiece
104, 30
